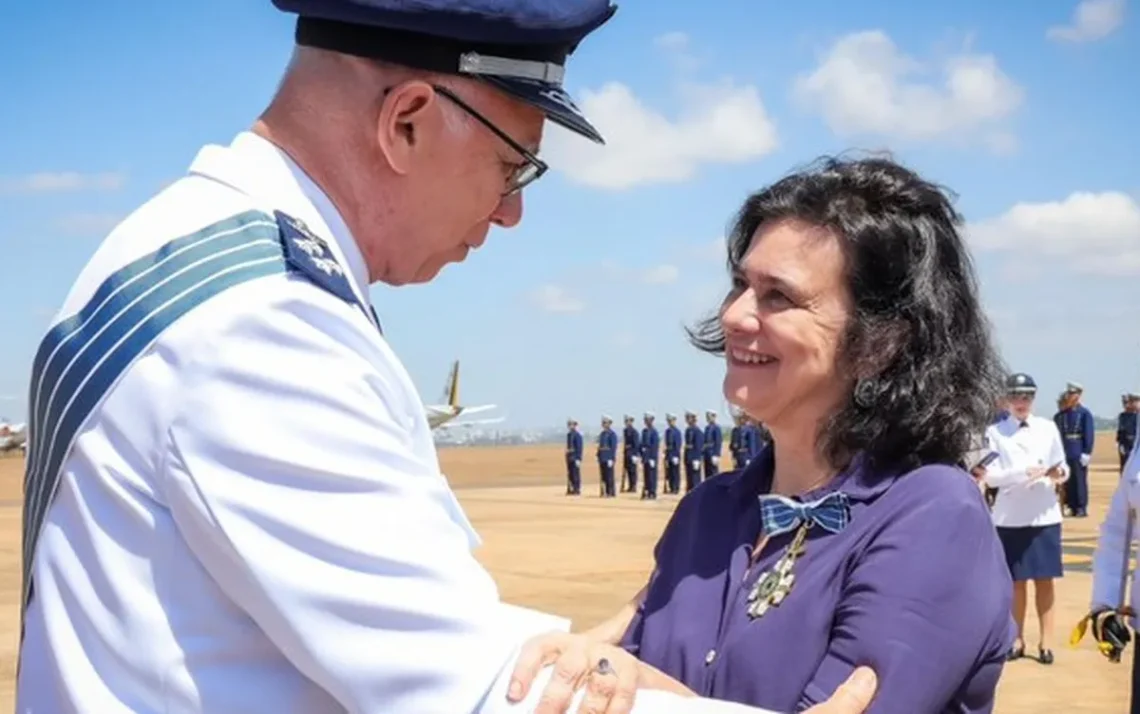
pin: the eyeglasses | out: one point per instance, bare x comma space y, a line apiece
528, 172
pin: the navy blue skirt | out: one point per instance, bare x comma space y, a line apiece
1032, 552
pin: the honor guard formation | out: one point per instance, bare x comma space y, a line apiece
697, 451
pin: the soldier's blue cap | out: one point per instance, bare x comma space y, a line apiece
518, 46
1020, 383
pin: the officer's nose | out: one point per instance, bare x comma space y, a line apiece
508, 213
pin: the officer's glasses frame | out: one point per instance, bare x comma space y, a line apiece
523, 175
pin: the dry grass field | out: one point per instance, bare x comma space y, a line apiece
581, 558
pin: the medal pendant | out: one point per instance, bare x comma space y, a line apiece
773, 586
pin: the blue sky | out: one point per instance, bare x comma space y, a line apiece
1027, 108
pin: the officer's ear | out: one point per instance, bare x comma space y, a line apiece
408, 119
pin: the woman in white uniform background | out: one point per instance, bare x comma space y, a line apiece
1030, 464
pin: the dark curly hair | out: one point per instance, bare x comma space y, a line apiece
917, 340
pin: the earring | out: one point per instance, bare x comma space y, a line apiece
865, 392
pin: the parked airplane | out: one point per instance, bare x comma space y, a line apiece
13, 436
441, 416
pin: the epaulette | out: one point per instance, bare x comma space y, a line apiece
310, 256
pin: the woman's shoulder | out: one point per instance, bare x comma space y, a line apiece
940, 492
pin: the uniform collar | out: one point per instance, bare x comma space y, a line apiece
258, 168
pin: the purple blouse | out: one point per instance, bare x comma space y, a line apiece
916, 586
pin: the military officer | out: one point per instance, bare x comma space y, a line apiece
233, 500
672, 455
694, 451
713, 445
573, 458
631, 455
740, 441
607, 455
1078, 433
1126, 425
650, 452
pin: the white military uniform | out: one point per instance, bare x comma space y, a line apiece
1022, 501
1108, 561
249, 515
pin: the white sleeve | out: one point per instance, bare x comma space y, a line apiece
1057, 452
292, 476
1108, 560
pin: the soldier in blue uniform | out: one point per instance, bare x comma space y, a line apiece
607, 456
763, 436
573, 459
650, 451
1078, 433
714, 445
1126, 425
673, 443
741, 441
694, 451
631, 455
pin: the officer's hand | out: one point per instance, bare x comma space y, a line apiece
1035, 472
852, 697
1111, 632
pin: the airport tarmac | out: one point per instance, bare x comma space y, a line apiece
582, 557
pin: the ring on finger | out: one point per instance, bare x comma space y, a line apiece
604, 666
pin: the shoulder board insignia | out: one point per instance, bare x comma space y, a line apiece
309, 255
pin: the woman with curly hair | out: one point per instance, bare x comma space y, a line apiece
853, 331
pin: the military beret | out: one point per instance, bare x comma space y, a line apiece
518, 46
1020, 383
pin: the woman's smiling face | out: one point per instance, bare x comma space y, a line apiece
784, 322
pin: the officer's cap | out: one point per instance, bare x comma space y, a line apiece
572, 420
710, 412
518, 47
690, 413
1132, 395
1020, 383
1073, 388
649, 415
607, 417
670, 415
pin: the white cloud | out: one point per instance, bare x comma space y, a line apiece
661, 275
1092, 20
1095, 233
60, 181
866, 85
714, 123
555, 298
673, 41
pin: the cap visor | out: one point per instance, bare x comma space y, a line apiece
551, 100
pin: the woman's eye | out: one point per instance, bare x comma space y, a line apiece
776, 298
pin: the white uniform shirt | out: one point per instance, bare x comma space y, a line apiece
1108, 561
254, 520
1022, 501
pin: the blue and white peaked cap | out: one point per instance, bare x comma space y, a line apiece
519, 46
